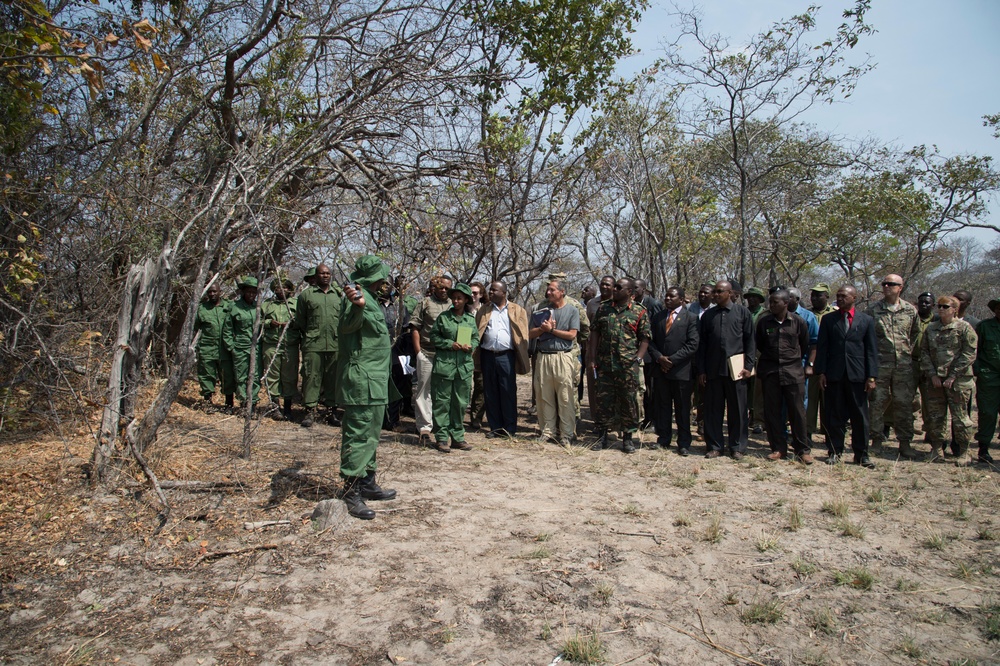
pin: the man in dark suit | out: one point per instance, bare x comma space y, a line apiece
847, 367
726, 343
673, 348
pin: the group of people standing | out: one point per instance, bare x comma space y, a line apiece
797, 371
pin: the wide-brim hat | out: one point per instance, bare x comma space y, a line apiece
463, 288
756, 291
368, 270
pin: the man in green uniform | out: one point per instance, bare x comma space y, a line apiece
453, 365
241, 343
317, 313
619, 339
755, 298
363, 384
819, 298
896, 327
214, 361
987, 369
282, 369
947, 351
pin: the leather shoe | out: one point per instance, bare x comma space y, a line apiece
865, 462
442, 447
775, 455
461, 446
736, 455
713, 453
683, 452
628, 446
806, 459
832, 459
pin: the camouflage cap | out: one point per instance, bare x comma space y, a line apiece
821, 287
556, 276
756, 291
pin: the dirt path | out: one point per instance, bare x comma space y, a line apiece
502, 555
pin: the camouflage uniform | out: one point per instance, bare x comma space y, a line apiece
896, 331
948, 350
620, 331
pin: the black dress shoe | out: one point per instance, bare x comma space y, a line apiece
683, 452
865, 462
832, 459
628, 446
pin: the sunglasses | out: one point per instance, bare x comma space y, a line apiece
619, 287
719, 291
892, 284
942, 306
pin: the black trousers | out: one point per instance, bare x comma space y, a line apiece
671, 398
500, 389
777, 399
648, 396
846, 401
725, 396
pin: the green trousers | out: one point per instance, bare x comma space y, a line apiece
241, 369
988, 402
450, 397
360, 429
319, 383
215, 370
954, 401
282, 372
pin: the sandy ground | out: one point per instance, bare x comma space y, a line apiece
514, 553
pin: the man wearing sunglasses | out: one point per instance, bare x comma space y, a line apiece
897, 327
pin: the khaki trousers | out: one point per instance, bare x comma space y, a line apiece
556, 377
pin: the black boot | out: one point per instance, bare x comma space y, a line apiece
352, 498
372, 491
331, 417
228, 409
602, 440
310, 418
627, 444
286, 410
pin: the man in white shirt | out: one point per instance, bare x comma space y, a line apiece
502, 354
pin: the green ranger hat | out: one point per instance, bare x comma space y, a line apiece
368, 270
247, 281
310, 273
822, 287
756, 291
462, 287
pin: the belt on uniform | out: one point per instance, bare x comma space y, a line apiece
555, 351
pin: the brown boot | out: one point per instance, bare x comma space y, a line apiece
908, 452
937, 454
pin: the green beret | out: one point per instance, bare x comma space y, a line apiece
756, 291
368, 270
247, 282
462, 287
822, 287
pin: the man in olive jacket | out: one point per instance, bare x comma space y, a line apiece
214, 361
239, 340
316, 314
363, 384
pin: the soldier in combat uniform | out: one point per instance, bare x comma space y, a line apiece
947, 352
619, 338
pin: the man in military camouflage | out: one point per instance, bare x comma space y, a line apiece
214, 361
927, 312
897, 325
987, 369
948, 349
282, 369
240, 341
317, 317
619, 339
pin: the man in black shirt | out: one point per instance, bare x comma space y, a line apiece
726, 344
782, 339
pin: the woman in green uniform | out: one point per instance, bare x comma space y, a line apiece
455, 337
